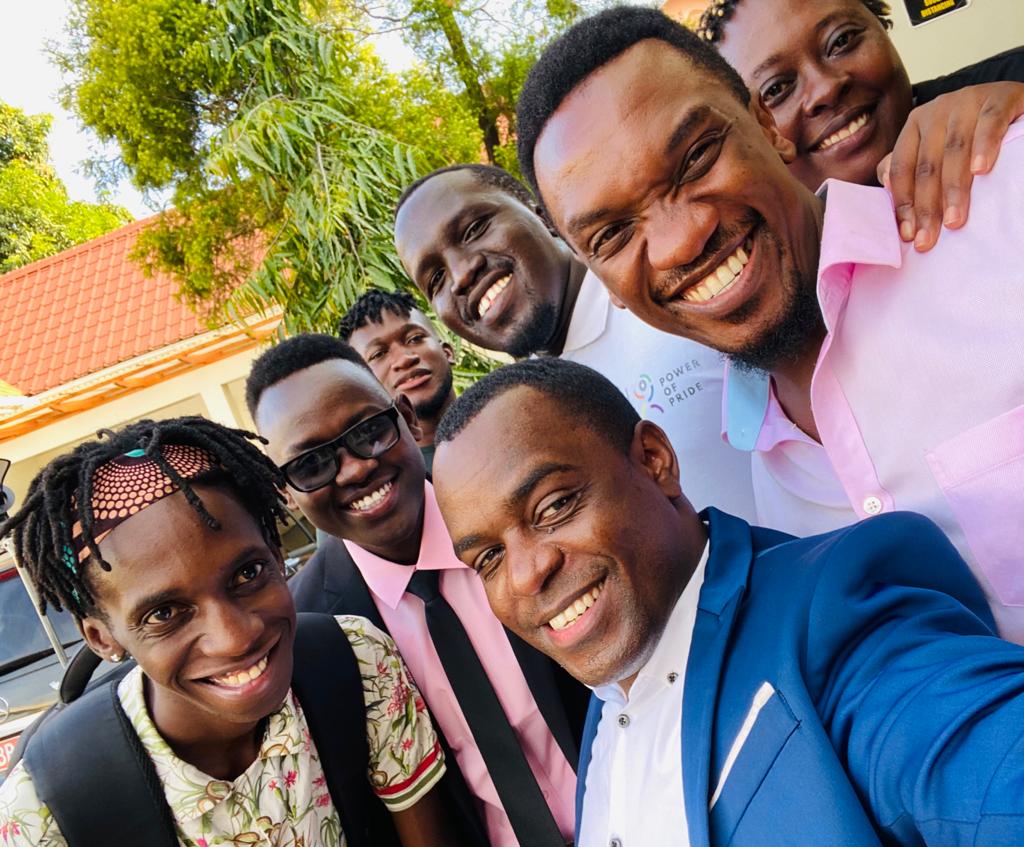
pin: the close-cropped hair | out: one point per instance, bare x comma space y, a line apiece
589, 397
485, 174
588, 46
291, 356
370, 308
712, 23
61, 495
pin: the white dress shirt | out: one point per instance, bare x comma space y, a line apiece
634, 793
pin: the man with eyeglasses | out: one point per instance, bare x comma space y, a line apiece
509, 717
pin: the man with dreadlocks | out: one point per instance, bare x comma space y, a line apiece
406, 353
162, 540
836, 87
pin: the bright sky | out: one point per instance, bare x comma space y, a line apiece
30, 82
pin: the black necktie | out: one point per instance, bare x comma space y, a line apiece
517, 788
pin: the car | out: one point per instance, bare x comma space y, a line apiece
30, 670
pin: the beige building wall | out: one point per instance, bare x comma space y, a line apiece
215, 391
959, 38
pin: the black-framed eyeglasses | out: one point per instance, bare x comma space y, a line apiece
367, 439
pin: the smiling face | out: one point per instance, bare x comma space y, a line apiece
830, 77
377, 503
407, 356
206, 613
583, 549
677, 197
489, 267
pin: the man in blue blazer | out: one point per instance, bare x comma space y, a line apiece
750, 688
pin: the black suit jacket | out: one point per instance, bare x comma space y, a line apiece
331, 583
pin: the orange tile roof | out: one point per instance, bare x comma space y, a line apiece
85, 309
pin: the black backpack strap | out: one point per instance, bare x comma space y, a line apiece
125, 805
329, 685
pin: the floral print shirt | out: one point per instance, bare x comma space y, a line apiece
281, 800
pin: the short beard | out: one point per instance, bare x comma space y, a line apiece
430, 409
785, 342
536, 334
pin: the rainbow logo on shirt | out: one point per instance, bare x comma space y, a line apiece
644, 394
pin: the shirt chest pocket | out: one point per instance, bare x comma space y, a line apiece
981, 474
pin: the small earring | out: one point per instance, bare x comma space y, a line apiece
116, 657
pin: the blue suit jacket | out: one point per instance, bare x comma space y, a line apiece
846, 689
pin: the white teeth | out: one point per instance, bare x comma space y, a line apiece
845, 132
370, 500
568, 616
491, 294
238, 678
721, 278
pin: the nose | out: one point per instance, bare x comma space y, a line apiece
531, 565
677, 232
404, 360
353, 470
465, 267
824, 86
231, 631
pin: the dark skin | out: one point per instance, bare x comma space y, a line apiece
659, 185
408, 357
457, 236
548, 512
314, 406
832, 64
217, 604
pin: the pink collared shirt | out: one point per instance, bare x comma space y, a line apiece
461, 587
918, 393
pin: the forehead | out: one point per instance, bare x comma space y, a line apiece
518, 430
424, 218
314, 400
607, 134
166, 544
752, 37
390, 324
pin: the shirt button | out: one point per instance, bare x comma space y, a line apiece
623, 721
615, 843
672, 677
872, 505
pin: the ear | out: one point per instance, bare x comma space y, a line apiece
289, 499
449, 352
409, 413
652, 449
100, 640
783, 146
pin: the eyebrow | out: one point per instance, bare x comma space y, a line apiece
450, 232
515, 499
312, 443
775, 58
681, 132
171, 595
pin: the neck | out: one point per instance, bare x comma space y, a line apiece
428, 426
575, 271
693, 541
220, 748
793, 378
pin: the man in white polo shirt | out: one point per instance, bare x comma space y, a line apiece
471, 239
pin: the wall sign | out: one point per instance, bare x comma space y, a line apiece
923, 11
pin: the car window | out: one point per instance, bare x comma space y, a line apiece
21, 634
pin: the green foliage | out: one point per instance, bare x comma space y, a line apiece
36, 217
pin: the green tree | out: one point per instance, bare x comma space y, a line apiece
281, 136
36, 217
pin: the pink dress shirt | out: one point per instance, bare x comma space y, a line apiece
918, 393
461, 587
